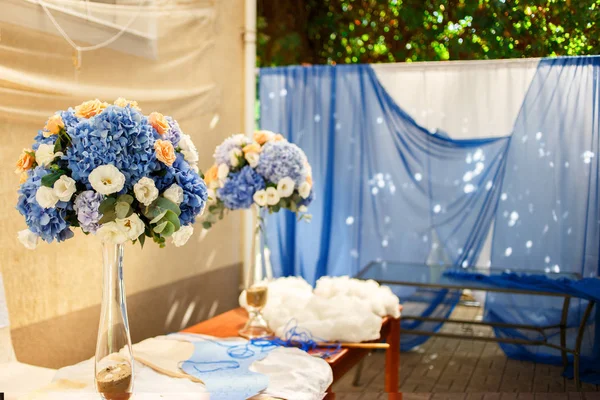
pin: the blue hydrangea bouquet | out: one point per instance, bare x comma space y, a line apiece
265, 171
112, 171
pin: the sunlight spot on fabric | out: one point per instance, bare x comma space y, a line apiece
374, 191
350, 220
467, 176
317, 117
514, 215
418, 177
565, 215
379, 120
556, 268
508, 251
456, 182
505, 214
529, 244
271, 95
541, 153
465, 264
503, 197
283, 92
478, 156
354, 253
384, 243
489, 185
551, 164
387, 219
214, 121
524, 139
566, 164
545, 229
587, 156
479, 168
460, 250
381, 184
469, 159
437, 208
392, 188
530, 207
569, 231
425, 238
547, 260
554, 217
469, 188
338, 126
547, 270
538, 136
512, 223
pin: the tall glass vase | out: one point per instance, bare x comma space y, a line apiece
256, 281
114, 357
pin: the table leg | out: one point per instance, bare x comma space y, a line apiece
563, 335
392, 358
577, 353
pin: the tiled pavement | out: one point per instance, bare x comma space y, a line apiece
463, 369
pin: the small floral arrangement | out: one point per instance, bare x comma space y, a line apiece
112, 171
267, 171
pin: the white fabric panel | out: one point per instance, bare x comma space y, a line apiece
465, 99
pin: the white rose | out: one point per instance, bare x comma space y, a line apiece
272, 196
28, 239
45, 154
302, 209
145, 191
174, 193
45, 197
132, 226
304, 190
111, 232
212, 196
252, 159
240, 139
64, 188
188, 149
260, 198
222, 171
234, 157
285, 187
182, 235
107, 179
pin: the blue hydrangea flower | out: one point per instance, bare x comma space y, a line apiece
222, 151
194, 189
280, 159
69, 119
49, 223
118, 136
86, 206
239, 187
174, 134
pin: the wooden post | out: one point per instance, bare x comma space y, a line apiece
392, 359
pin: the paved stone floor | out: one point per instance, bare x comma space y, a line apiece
463, 369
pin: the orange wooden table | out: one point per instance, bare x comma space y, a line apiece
229, 323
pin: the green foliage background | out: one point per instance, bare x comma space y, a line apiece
372, 31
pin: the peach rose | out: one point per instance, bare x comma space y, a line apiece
53, 126
159, 122
123, 102
262, 137
309, 180
165, 152
26, 161
211, 174
251, 148
88, 109
278, 138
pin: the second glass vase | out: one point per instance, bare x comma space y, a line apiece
256, 282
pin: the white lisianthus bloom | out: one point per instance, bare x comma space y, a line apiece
107, 179
285, 187
132, 226
252, 159
234, 157
304, 190
222, 171
240, 139
182, 236
111, 232
188, 149
45, 197
64, 188
45, 154
260, 198
174, 193
145, 191
28, 239
272, 196
212, 196
302, 209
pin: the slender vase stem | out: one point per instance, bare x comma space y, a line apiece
114, 357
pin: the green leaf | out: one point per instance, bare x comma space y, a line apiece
51, 178
160, 227
122, 209
142, 240
206, 225
167, 204
159, 217
173, 219
168, 230
107, 205
126, 198
109, 216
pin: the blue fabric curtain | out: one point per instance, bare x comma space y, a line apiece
548, 217
386, 189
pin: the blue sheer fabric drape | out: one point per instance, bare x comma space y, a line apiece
548, 216
386, 189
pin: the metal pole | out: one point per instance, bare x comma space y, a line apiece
563, 335
577, 353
